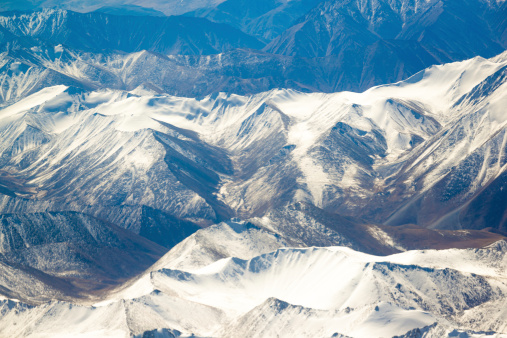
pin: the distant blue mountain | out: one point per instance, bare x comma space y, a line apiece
443, 28
333, 46
264, 19
129, 10
103, 32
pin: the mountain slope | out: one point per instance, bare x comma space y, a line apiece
334, 27
127, 211
176, 75
168, 7
323, 289
68, 253
308, 225
264, 19
49, 126
376, 42
103, 32
357, 52
390, 154
303, 226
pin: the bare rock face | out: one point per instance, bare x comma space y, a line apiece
68, 255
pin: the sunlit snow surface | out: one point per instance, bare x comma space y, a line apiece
301, 291
221, 280
390, 121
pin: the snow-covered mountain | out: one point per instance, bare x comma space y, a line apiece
164, 177
428, 150
390, 154
327, 291
315, 53
133, 161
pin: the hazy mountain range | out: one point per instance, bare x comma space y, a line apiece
336, 45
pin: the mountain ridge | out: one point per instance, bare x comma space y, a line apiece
98, 31
176, 177
393, 145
